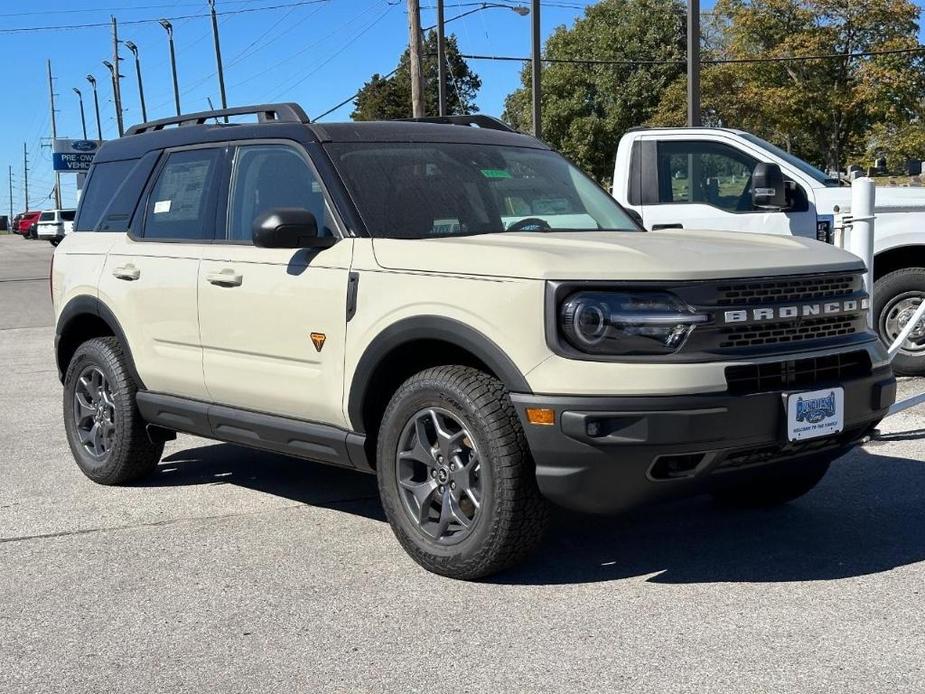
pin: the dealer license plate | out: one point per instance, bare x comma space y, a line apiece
815, 413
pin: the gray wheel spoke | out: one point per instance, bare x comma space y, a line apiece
84, 408
423, 493
457, 512
446, 514
472, 497
94, 412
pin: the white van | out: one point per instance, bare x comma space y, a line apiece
54, 224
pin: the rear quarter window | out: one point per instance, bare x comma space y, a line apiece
104, 181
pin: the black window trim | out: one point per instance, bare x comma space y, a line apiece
141, 210
221, 211
802, 196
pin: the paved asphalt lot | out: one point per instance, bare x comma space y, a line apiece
235, 571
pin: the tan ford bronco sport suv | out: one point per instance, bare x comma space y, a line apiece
456, 308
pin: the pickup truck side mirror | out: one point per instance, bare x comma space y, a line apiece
289, 227
768, 189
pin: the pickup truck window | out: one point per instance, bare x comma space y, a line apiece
796, 162
422, 190
708, 173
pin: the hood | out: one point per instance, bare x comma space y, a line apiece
614, 255
889, 199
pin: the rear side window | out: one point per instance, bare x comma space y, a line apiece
104, 181
181, 206
47, 217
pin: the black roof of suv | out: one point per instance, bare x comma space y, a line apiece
288, 120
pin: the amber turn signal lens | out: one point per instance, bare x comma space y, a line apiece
541, 416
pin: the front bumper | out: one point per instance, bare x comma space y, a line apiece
608, 454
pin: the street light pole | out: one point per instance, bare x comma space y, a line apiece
116, 76
693, 63
115, 94
96, 105
218, 57
537, 72
83, 120
141, 90
168, 27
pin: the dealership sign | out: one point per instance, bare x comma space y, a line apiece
74, 155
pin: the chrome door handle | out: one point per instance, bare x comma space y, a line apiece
225, 278
126, 272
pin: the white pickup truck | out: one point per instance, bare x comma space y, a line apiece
702, 178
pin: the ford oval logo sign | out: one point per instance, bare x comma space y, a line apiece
83, 145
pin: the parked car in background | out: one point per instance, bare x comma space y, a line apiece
701, 178
26, 221
14, 225
54, 224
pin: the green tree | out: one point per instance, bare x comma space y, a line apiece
586, 108
390, 97
822, 110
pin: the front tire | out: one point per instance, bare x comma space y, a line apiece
896, 297
775, 485
104, 427
455, 475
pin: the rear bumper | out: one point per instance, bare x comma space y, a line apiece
608, 454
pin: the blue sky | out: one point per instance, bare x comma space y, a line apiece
316, 54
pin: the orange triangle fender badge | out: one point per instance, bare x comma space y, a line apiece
318, 340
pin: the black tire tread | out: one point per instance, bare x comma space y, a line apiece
523, 514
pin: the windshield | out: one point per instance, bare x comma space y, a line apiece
425, 190
810, 170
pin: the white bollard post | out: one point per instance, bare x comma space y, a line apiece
861, 236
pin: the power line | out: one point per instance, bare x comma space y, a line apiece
708, 61
96, 25
351, 98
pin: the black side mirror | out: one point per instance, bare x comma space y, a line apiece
768, 189
635, 216
289, 227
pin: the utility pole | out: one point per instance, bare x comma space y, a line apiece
112, 72
693, 63
218, 56
141, 90
416, 49
83, 119
96, 105
54, 135
441, 59
537, 72
25, 174
168, 27
116, 77
11, 196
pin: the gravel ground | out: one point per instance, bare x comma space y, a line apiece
236, 571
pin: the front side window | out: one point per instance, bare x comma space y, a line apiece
708, 173
268, 177
181, 206
425, 190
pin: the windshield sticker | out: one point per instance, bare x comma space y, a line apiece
496, 173
161, 206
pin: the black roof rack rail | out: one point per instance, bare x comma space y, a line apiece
284, 113
477, 119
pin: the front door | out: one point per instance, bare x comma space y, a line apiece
273, 320
704, 184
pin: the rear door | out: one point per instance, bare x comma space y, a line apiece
273, 320
150, 275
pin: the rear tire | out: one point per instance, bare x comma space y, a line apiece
455, 475
104, 427
896, 296
775, 485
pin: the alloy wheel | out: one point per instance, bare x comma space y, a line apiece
94, 412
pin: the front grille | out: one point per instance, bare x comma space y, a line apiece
777, 333
787, 290
746, 379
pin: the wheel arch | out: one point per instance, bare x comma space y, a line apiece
83, 318
414, 344
897, 258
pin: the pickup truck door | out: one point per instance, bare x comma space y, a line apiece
705, 183
273, 320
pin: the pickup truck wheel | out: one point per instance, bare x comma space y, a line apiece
774, 486
896, 298
455, 475
104, 428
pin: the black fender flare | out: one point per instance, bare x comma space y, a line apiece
429, 328
84, 305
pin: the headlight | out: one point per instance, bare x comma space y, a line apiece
627, 323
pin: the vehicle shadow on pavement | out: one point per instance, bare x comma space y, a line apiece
290, 478
865, 517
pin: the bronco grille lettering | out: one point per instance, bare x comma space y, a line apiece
768, 313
